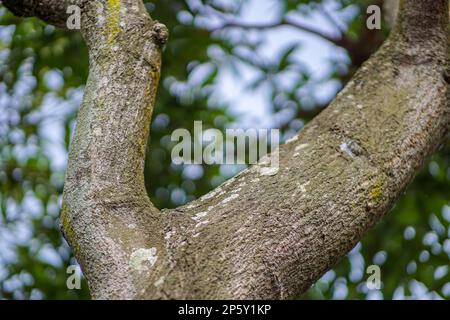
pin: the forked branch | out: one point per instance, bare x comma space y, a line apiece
265, 233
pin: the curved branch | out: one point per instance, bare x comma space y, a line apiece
267, 234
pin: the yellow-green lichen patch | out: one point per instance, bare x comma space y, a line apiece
67, 227
376, 191
113, 20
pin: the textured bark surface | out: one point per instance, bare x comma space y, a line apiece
265, 233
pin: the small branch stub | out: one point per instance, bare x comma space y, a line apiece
160, 33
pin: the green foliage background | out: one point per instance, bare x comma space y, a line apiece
411, 245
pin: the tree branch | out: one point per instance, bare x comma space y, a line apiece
265, 233
338, 41
107, 217
51, 11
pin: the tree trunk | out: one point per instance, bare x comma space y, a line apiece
263, 234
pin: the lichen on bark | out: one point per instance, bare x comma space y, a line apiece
113, 18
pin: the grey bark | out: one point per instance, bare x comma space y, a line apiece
263, 234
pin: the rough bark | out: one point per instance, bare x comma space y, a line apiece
263, 234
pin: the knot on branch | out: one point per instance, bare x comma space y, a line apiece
160, 33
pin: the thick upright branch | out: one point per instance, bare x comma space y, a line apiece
265, 233
107, 217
